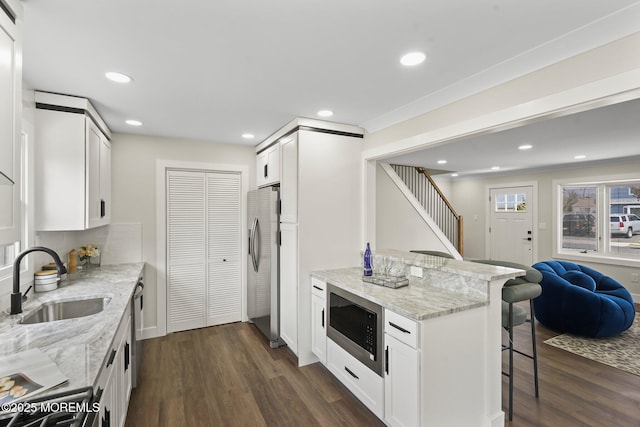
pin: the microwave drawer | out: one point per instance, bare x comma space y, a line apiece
401, 328
364, 383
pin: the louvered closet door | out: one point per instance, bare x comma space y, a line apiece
186, 251
223, 235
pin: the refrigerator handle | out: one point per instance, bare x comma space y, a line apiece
256, 245
252, 242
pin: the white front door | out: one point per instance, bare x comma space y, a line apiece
511, 224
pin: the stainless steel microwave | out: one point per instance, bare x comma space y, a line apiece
355, 324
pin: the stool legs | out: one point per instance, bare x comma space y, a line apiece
534, 356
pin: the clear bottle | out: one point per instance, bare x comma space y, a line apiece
368, 271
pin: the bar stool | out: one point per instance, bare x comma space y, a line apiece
517, 290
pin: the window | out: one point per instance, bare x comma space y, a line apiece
600, 219
511, 202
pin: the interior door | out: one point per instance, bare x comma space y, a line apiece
511, 224
204, 277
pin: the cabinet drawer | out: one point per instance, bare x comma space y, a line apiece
365, 384
401, 328
318, 288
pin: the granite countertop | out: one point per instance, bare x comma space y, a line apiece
447, 286
78, 346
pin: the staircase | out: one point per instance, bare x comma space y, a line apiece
425, 190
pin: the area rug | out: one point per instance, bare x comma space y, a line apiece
622, 351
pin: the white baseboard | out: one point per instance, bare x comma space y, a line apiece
151, 332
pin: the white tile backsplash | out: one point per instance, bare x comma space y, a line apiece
118, 243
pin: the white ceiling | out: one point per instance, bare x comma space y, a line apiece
601, 134
212, 70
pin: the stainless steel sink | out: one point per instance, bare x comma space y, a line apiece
61, 310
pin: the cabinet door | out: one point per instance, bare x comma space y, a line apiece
124, 377
261, 168
289, 179
105, 181
289, 285
273, 165
402, 373
98, 176
318, 328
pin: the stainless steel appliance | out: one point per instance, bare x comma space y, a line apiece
263, 277
355, 324
137, 304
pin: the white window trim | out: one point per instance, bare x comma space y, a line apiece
27, 233
603, 240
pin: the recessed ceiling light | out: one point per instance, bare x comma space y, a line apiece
495, 168
413, 58
118, 77
325, 113
580, 157
134, 122
525, 147
454, 174
248, 136
442, 162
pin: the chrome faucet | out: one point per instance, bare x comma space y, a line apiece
16, 297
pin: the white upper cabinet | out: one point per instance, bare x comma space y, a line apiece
10, 120
73, 165
268, 166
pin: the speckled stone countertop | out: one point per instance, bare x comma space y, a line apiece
447, 285
78, 346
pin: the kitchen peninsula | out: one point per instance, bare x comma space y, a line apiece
440, 339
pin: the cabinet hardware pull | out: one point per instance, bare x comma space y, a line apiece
126, 357
323, 318
266, 170
386, 360
103, 208
399, 328
111, 357
318, 288
351, 373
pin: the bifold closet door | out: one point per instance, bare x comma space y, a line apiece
223, 240
203, 249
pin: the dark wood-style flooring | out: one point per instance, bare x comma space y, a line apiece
228, 376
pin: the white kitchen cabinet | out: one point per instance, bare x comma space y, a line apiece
289, 179
319, 319
365, 384
289, 285
73, 160
115, 377
268, 166
10, 120
321, 193
402, 371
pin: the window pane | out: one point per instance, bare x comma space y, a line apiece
624, 224
511, 203
579, 218
8, 254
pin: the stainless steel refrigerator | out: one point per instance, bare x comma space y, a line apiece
263, 272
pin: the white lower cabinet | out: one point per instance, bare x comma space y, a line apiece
114, 382
365, 384
402, 371
319, 319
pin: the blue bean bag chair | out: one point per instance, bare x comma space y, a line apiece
582, 301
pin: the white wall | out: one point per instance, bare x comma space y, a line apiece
398, 225
134, 188
469, 197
